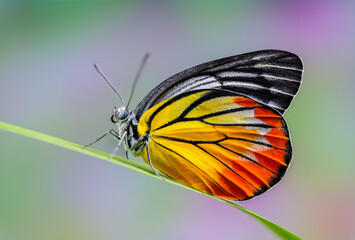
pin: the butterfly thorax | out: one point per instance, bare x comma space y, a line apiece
127, 124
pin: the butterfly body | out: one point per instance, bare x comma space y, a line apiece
218, 127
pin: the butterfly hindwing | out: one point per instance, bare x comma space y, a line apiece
271, 77
217, 141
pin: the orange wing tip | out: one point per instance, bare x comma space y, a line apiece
277, 138
268, 117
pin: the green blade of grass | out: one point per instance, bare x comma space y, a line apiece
140, 167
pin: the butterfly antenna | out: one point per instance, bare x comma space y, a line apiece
109, 83
144, 61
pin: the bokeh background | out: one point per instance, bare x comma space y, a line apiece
48, 84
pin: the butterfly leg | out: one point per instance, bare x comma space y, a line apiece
111, 131
115, 134
150, 163
118, 145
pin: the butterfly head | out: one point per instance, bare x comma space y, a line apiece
126, 124
120, 115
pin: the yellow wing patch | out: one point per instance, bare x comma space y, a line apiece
218, 142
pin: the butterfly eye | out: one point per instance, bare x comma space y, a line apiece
122, 115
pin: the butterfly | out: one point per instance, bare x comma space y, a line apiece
217, 127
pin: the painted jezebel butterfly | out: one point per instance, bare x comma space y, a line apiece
218, 127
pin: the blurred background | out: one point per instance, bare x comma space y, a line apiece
48, 84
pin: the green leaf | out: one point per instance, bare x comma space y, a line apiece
140, 167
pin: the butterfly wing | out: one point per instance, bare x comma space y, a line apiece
271, 77
217, 141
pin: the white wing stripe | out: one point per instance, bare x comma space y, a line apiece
279, 91
278, 78
196, 83
276, 66
237, 74
241, 84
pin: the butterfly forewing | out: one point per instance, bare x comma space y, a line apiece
217, 141
271, 77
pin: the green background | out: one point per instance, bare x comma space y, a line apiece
48, 84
